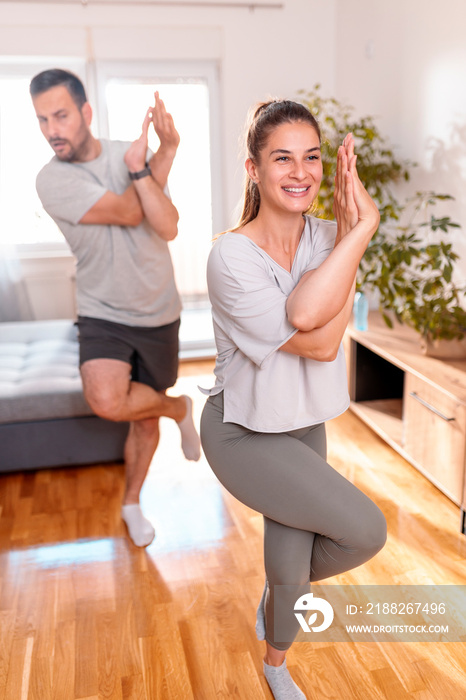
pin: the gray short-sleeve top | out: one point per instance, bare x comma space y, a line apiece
124, 274
266, 389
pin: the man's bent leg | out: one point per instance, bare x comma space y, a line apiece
111, 394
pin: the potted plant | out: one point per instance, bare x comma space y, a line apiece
378, 168
411, 266
409, 262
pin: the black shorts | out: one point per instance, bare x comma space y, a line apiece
151, 352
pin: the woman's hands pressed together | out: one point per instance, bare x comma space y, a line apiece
325, 295
352, 204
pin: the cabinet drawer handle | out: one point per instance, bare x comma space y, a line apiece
431, 408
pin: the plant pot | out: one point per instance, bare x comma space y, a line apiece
454, 349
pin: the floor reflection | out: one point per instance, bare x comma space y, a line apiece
186, 516
71, 553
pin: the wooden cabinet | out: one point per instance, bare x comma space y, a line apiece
434, 435
416, 403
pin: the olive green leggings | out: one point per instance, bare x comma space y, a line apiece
316, 523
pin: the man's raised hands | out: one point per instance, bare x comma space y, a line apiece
164, 126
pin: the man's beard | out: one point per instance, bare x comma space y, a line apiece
68, 155
76, 152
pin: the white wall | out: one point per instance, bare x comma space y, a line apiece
406, 62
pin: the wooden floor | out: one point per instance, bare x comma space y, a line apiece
85, 614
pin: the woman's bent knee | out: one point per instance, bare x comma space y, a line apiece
365, 533
374, 536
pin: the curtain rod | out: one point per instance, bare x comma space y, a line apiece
167, 3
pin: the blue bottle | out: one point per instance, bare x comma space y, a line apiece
360, 311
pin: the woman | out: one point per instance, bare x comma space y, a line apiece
281, 286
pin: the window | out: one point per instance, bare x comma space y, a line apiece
123, 93
189, 93
24, 151
120, 94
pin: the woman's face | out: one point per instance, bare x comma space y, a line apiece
289, 170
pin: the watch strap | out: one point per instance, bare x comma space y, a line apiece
140, 173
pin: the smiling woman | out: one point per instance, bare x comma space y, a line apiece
288, 181
281, 286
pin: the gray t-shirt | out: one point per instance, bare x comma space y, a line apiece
266, 389
124, 273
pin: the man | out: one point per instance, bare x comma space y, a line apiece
109, 198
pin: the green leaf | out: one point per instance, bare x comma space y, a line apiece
387, 320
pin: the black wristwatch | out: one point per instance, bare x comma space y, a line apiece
141, 173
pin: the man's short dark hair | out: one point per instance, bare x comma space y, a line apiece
54, 77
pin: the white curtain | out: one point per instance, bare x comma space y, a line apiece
14, 300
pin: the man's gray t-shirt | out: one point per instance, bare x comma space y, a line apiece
264, 388
124, 273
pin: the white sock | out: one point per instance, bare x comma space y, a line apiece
190, 441
260, 616
140, 529
281, 683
